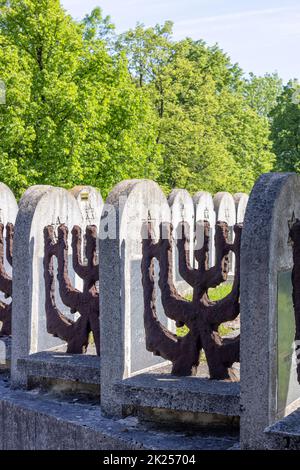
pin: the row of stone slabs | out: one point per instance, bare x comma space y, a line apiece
266, 255
276, 197
267, 210
90, 203
87, 369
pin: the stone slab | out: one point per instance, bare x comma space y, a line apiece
128, 207
285, 434
265, 252
33, 421
193, 394
40, 206
60, 365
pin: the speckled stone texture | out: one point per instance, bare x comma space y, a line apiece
192, 394
90, 203
60, 365
241, 201
39, 206
122, 341
265, 251
30, 420
285, 434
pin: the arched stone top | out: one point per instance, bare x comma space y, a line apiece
182, 207
8, 205
241, 201
39, 206
204, 207
78, 190
178, 195
47, 201
225, 208
90, 203
273, 201
134, 202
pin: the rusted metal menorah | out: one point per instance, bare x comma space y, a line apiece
5, 279
202, 316
85, 302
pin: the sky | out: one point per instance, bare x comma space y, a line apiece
262, 36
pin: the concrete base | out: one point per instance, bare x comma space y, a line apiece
184, 394
285, 434
60, 365
31, 420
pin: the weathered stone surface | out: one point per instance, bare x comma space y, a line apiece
123, 349
241, 201
60, 365
34, 421
192, 394
266, 251
182, 210
284, 434
40, 206
90, 203
205, 212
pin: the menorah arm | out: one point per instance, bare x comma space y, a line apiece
220, 354
70, 296
57, 324
228, 308
186, 271
81, 270
175, 306
159, 340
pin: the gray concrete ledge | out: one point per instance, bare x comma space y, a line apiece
192, 394
58, 365
33, 421
285, 434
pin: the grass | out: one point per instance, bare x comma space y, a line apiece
214, 294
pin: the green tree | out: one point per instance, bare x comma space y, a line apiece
286, 129
209, 135
73, 114
262, 92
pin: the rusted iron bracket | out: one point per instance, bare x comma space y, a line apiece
5, 279
86, 303
202, 316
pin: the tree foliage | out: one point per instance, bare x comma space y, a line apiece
262, 92
210, 136
73, 114
286, 128
84, 106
